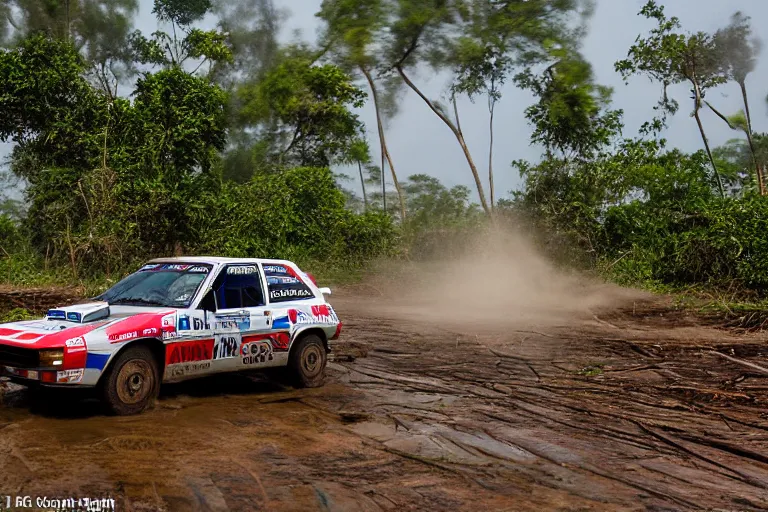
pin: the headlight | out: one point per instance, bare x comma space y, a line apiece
52, 357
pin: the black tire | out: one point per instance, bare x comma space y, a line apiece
132, 382
306, 365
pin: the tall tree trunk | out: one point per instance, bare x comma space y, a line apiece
383, 185
492, 108
696, 109
456, 132
384, 148
709, 154
362, 184
758, 169
748, 131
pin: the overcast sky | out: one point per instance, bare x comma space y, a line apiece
420, 143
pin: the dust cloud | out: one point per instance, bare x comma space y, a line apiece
499, 280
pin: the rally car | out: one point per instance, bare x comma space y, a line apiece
175, 319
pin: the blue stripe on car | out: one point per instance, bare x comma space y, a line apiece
96, 361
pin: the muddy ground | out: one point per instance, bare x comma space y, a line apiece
637, 408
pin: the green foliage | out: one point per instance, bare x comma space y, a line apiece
571, 114
308, 108
738, 48
297, 214
181, 12
351, 30
670, 57
437, 215
16, 315
184, 42
717, 243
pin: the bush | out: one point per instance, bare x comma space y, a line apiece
297, 214
715, 243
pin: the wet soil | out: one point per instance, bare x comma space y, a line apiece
644, 408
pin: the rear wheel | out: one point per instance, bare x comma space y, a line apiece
307, 362
132, 382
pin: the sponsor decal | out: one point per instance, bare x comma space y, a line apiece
256, 352
169, 321
47, 326
171, 335
186, 323
187, 369
323, 314
242, 270
151, 266
189, 352
242, 323
282, 280
176, 267
75, 345
152, 331
282, 322
199, 270
226, 346
70, 376
116, 338
57, 313
276, 269
282, 294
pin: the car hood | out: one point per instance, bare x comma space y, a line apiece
55, 329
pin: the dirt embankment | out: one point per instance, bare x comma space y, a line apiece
486, 387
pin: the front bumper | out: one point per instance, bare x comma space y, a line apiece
43, 376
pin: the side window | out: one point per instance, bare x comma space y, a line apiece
284, 284
239, 286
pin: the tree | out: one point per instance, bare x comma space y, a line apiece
571, 116
360, 153
99, 30
669, 57
482, 69
252, 28
306, 109
506, 31
184, 42
352, 29
739, 51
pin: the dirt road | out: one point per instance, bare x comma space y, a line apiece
643, 410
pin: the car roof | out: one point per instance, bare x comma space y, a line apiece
217, 260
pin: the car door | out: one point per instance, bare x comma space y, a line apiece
240, 316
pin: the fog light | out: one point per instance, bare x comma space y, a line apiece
51, 357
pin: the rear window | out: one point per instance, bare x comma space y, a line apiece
285, 285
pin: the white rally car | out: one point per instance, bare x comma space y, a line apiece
173, 319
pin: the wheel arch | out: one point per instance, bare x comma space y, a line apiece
155, 345
308, 331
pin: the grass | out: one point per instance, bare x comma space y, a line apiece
16, 315
592, 370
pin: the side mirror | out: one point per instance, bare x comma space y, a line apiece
325, 291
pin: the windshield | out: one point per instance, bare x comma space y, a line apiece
171, 285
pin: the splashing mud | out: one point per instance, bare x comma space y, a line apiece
500, 281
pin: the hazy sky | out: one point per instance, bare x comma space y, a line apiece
420, 143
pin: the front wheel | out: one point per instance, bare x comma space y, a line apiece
307, 362
132, 382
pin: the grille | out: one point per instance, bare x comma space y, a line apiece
18, 357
